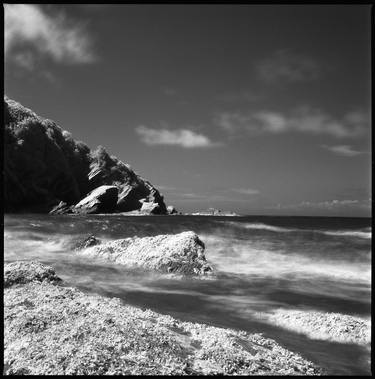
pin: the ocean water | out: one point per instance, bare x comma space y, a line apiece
262, 264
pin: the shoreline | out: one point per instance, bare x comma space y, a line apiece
52, 329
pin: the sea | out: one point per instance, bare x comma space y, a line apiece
262, 263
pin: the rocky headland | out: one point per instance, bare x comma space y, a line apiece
50, 329
46, 170
181, 253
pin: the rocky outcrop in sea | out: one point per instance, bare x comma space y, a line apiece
46, 170
323, 325
50, 329
181, 253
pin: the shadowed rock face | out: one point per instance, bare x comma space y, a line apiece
181, 253
43, 166
55, 330
101, 200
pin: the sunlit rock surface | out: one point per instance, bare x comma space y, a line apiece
22, 272
323, 326
44, 165
101, 200
181, 253
55, 330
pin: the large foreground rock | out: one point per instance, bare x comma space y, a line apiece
22, 272
54, 330
181, 253
44, 165
101, 200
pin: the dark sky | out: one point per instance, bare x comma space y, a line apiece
255, 109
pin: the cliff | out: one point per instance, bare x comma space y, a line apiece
44, 165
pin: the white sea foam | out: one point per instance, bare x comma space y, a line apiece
260, 226
359, 233
351, 233
247, 258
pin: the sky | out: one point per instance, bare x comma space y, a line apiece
257, 109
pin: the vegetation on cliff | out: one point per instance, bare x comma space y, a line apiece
44, 165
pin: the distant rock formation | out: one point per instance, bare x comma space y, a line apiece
51, 329
44, 166
181, 253
214, 212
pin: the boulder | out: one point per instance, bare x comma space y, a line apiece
86, 242
150, 208
181, 253
101, 200
21, 272
171, 210
128, 199
61, 208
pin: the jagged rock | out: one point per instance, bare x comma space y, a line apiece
101, 200
55, 330
150, 208
181, 253
61, 208
171, 210
21, 272
87, 242
44, 165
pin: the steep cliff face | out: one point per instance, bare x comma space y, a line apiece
43, 165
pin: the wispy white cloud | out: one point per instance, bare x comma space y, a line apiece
28, 26
343, 150
303, 119
180, 137
328, 205
286, 65
245, 191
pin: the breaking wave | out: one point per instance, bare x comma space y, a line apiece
358, 233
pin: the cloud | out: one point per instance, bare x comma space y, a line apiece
245, 191
168, 91
343, 150
286, 65
303, 119
328, 205
30, 31
180, 137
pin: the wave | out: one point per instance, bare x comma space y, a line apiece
260, 226
359, 233
352, 233
255, 259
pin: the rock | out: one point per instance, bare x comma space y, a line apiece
128, 199
181, 253
54, 330
21, 272
86, 242
101, 200
44, 165
322, 325
171, 210
61, 208
150, 208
